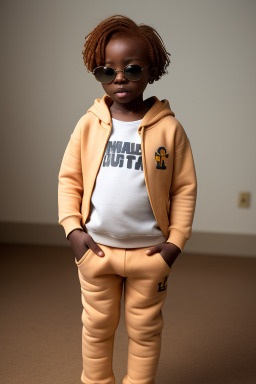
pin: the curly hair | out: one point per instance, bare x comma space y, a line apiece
96, 41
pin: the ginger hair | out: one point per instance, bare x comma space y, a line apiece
96, 41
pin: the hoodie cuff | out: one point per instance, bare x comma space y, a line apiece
71, 223
177, 238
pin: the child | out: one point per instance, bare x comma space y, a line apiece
127, 193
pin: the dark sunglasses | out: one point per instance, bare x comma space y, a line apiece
106, 75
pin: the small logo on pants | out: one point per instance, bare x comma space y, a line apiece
163, 284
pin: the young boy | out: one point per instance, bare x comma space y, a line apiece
127, 193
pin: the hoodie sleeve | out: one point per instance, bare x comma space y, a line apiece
70, 184
182, 196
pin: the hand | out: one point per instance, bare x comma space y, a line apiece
168, 251
81, 242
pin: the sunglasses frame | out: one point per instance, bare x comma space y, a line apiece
116, 71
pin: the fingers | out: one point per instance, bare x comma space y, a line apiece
152, 250
79, 239
156, 249
94, 247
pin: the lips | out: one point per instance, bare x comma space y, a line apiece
121, 90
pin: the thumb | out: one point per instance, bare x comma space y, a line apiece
95, 248
152, 250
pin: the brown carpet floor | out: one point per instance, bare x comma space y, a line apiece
209, 334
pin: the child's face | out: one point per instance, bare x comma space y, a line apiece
121, 51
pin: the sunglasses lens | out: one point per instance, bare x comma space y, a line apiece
133, 72
104, 74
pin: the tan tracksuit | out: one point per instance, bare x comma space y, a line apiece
171, 183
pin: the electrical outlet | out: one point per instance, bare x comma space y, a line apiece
244, 199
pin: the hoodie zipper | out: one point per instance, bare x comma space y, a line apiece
141, 132
109, 133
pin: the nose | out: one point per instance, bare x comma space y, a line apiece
120, 77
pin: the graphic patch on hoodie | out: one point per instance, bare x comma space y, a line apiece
123, 154
160, 156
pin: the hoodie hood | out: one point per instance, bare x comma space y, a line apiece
158, 110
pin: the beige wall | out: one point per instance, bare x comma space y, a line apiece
211, 86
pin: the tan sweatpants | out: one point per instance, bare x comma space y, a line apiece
145, 287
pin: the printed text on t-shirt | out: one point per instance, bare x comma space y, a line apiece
123, 154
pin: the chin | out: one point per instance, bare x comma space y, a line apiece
122, 100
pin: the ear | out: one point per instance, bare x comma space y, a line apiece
153, 75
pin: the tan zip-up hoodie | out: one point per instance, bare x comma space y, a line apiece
167, 163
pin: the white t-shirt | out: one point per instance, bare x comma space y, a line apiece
121, 214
